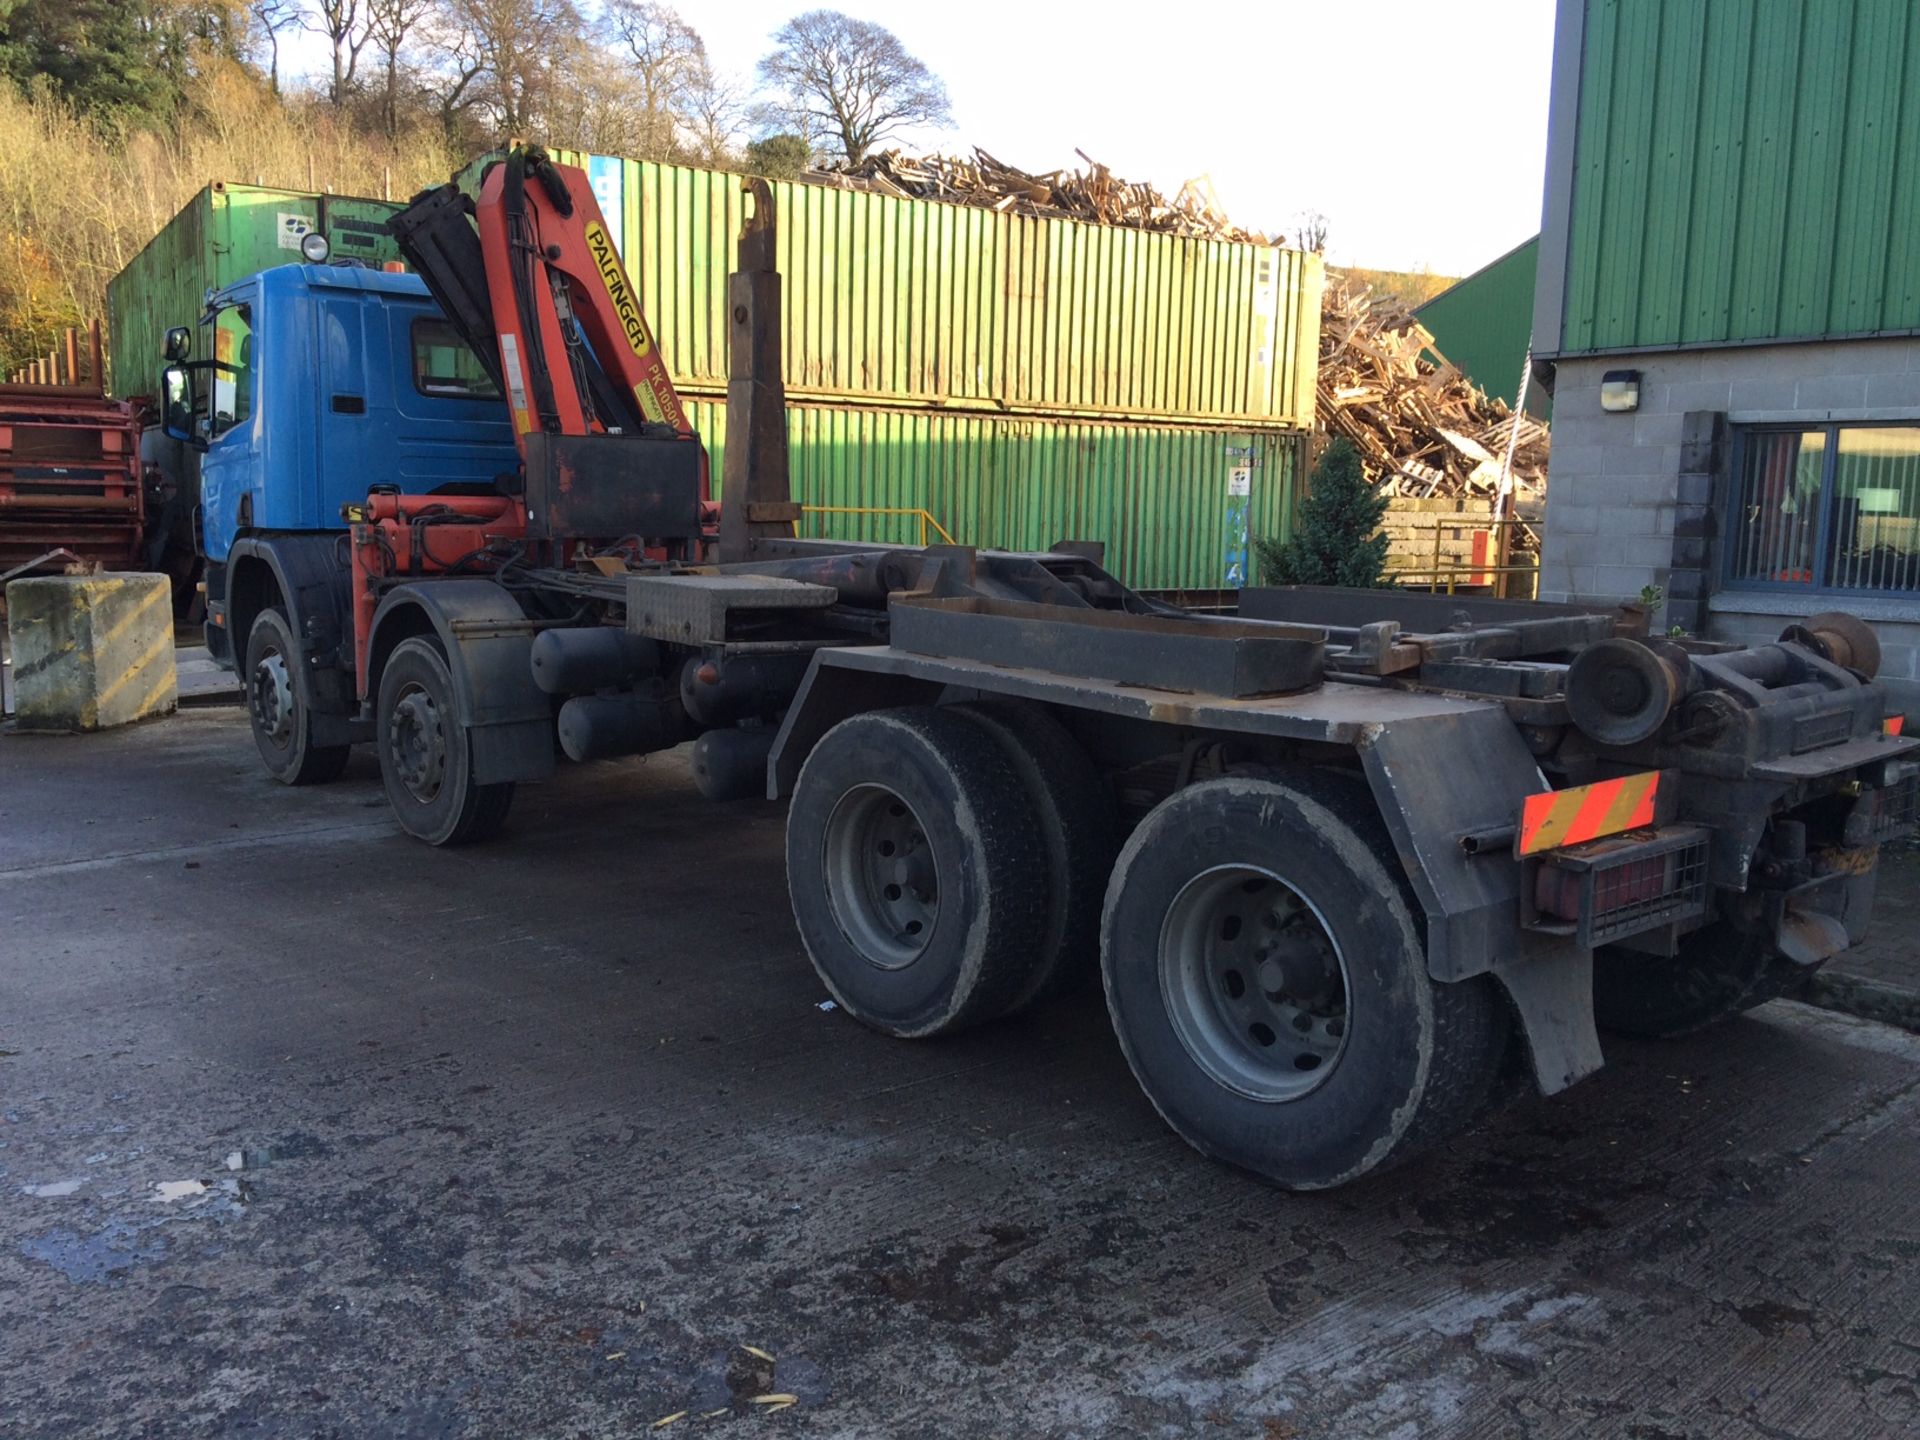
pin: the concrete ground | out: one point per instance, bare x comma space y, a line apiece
532, 1138
1880, 978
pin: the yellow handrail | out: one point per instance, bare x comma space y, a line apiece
926, 520
1452, 572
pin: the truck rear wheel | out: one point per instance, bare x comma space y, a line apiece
915, 866
281, 722
1079, 833
426, 757
1268, 983
1718, 972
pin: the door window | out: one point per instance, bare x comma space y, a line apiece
232, 369
444, 364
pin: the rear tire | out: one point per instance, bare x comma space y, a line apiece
1079, 833
1268, 982
281, 721
426, 756
1718, 972
916, 870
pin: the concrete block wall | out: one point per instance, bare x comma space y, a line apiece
1641, 499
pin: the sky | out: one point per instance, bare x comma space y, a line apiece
1417, 127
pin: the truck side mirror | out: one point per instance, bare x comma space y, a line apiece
179, 343
177, 406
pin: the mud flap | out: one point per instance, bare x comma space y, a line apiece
1551, 987
488, 641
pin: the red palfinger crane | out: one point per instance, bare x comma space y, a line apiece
529, 274
576, 353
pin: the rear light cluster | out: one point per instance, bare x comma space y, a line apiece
1615, 888
1559, 891
1885, 813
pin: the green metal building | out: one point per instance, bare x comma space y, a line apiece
1728, 294
1483, 323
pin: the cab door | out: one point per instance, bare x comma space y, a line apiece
231, 469
450, 430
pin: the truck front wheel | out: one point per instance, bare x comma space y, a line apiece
917, 873
282, 724
426, 756
1269, 986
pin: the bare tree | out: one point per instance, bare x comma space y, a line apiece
519, 46
1312, 228
454, 72
713, 110
391, 25
668, 56
344, 23
270, 17
849, 80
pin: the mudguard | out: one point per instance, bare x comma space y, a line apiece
1437, 780
315, 590
488, 641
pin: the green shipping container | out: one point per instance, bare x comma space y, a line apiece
1021, 380
224, 233
919, 303
1176, 505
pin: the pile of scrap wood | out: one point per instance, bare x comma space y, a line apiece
1422, 428
1095, 194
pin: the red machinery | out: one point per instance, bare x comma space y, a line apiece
530, 276
70, 476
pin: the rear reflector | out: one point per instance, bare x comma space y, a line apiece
1581, 813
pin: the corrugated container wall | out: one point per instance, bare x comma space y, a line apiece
1744, 172
224, 233
1022, 380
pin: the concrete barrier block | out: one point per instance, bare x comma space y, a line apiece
91, 651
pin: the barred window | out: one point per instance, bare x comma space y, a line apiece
1832, 507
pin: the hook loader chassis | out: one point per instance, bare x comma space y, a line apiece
1343, 861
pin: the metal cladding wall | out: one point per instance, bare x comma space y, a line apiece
1483, 322
1742, 172
224, 233
1023, 380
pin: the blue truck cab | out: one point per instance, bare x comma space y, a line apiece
319, 383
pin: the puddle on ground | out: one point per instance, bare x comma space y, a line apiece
96, 1259
55, 1189
119, 1245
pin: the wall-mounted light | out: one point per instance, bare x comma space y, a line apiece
1620, 391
